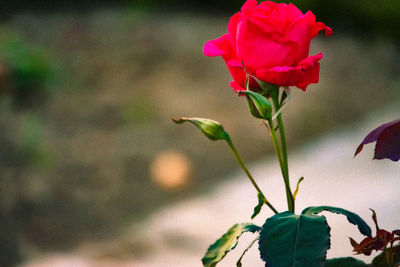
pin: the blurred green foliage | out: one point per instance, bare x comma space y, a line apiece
27, 69
30, 66
367, 18
138, 111
31, 142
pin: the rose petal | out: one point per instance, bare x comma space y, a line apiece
305, 73
293, 12
249, 7
223, 47
260, 50
279, 17
310, 66
311, 61
283, 76
300, 32
236, 87
218, 47
274, 19
232, 28
321, 26
236, 69
310, 75
267, 6
234, 63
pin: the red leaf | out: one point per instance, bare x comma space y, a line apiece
396, 232
379, 245
383, 238
353, 242
375, 219
387, 137
388, 143
366, 246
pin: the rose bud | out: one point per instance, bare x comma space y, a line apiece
259, 105
210, 128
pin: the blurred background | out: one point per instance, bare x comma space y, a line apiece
87, 89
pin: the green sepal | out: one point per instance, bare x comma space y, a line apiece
257, 208
351, 217
259, 105
345, 262
210, 128
266, 88
217, 251
290, 240
285, 95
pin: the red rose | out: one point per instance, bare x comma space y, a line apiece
272, 42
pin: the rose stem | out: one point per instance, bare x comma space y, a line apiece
243, 166
289, 196
282, 154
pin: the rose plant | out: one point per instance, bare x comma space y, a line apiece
266, 50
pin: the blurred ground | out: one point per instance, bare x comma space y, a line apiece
78, 166
179, 234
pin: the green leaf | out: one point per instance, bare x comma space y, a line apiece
210, 128
345, 262
382, 259
217, 251
290, 240
239, 262
297, 188
257, 208
259, 105
351, 217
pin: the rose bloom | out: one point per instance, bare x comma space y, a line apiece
270, 41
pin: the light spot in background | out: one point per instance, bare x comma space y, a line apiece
171, 170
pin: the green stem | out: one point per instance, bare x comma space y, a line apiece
284, 156
243, 166
289, 196
283, 141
